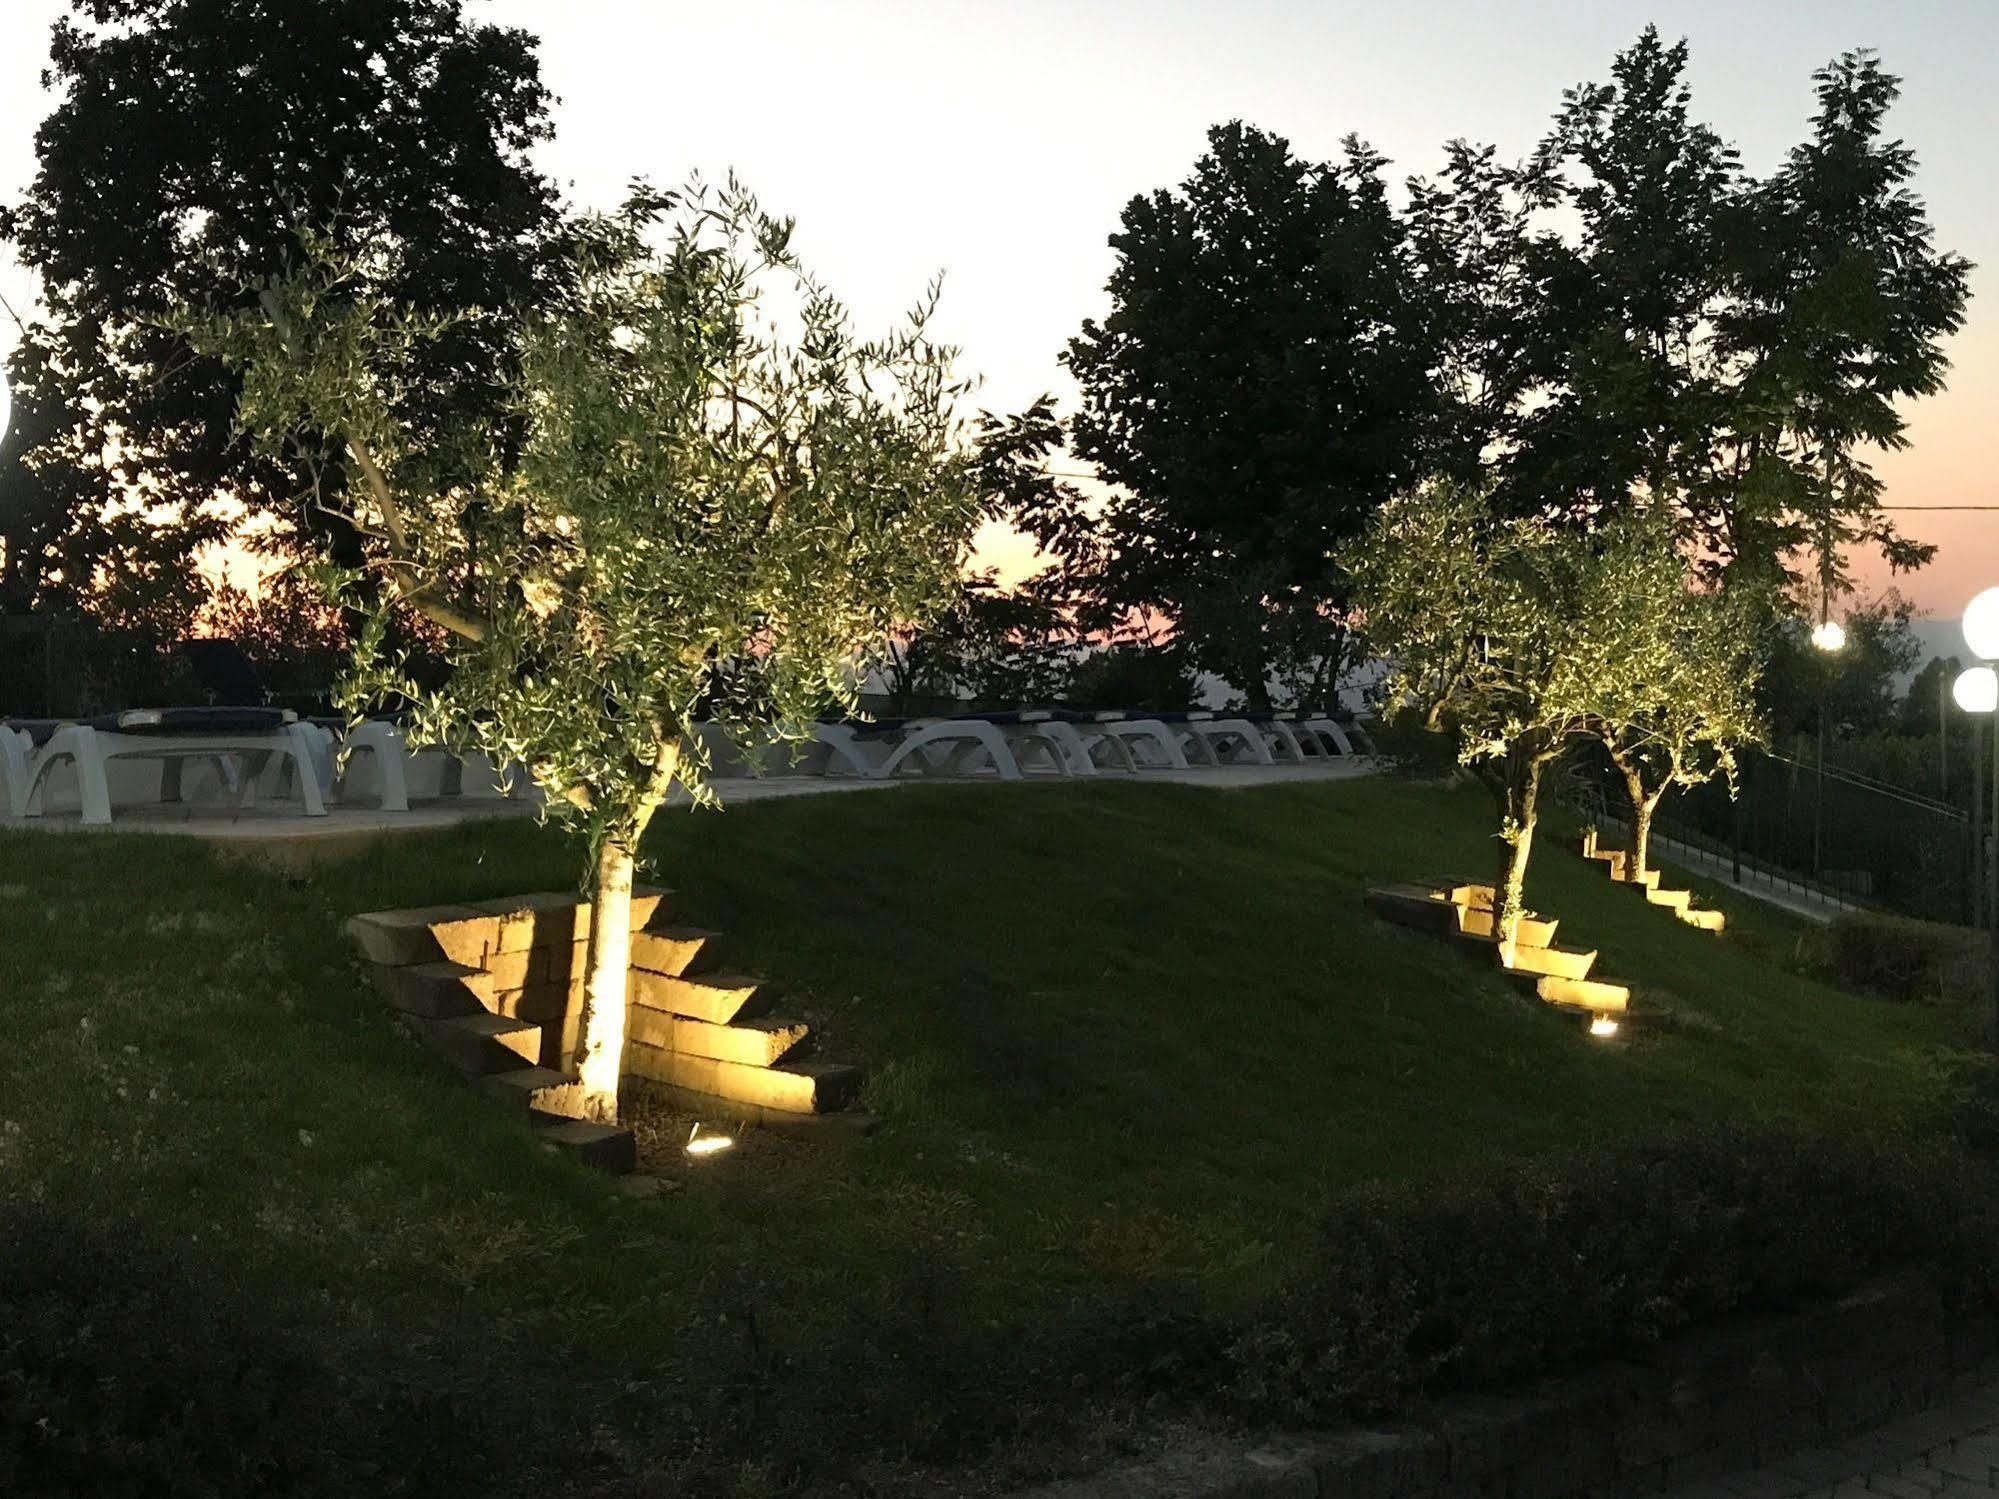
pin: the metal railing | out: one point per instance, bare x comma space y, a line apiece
1845, 840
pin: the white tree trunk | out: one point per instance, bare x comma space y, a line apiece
601, 1051
1523, 799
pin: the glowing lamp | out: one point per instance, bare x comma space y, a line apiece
700, 1144
1602, 1025
1829, 635
1977, 690
1981, 625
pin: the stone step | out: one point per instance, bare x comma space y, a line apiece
1678, 900
1563, 962
1473, 895
540, 1090
791, 1087
1649, 880
1594, 995
607, 1147
672, 950
483, 1043
1707, 921
1535, 931
469, 933
717, 998
1416, 907
433, 990
754, 1043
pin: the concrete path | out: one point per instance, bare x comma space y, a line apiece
1951, 1453
277, 822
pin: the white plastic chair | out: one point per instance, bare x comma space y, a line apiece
91, 747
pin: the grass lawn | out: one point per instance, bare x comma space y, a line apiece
1123, 1039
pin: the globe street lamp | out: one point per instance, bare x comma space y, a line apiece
1977, 693
1829, 635
1981, 636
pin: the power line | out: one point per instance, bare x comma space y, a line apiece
1059, 473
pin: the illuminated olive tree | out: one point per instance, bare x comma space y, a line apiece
706, 499
1513, 635
1681, 723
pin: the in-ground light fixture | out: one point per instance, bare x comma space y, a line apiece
708, 1144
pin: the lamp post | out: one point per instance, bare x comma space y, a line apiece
1981, 635
1977, 693
1829, 635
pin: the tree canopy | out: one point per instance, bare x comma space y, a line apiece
1259, 385
705, 499
191, 143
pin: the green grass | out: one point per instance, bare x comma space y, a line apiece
1121, 1038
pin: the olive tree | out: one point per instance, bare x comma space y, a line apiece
1511, 633
1681, 723
705, 498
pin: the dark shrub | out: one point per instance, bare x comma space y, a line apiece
126, 1370
1547, 1268
1899, 958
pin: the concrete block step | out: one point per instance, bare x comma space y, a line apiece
671, 950
607, 1147
1414, 906
1649, 880
1563, 962
1594, 995
789, 1087
717, 998
754, 1043
470, 933
433, 990
1535, 931
1706, 921
540, 1090
483, 1043
1678, 900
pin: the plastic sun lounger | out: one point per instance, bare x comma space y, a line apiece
1115, 740
956, 746
174, 736
1330, 731
1278, 736
335, 744
1134, 744
17, 748
1310, 745
1215, 740
849, 747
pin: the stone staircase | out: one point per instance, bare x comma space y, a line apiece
1679, 902
1461, 912
496, 989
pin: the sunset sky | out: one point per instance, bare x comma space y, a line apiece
997, 142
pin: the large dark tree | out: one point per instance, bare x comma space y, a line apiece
190, 143
1261, 384
1628, 319
1627, 392
1841, 306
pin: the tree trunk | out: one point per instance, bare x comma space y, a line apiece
1642, 806
1522, 810
601, 1052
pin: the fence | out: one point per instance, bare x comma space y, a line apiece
1845, 838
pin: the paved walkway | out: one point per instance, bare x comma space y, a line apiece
1951, 1453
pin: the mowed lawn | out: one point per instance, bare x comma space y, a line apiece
1120, 1037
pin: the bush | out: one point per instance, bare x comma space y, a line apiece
1900, 958
125, 1370
1547, 1268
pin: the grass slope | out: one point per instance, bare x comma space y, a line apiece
1121, 1036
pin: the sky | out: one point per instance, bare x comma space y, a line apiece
997, 140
